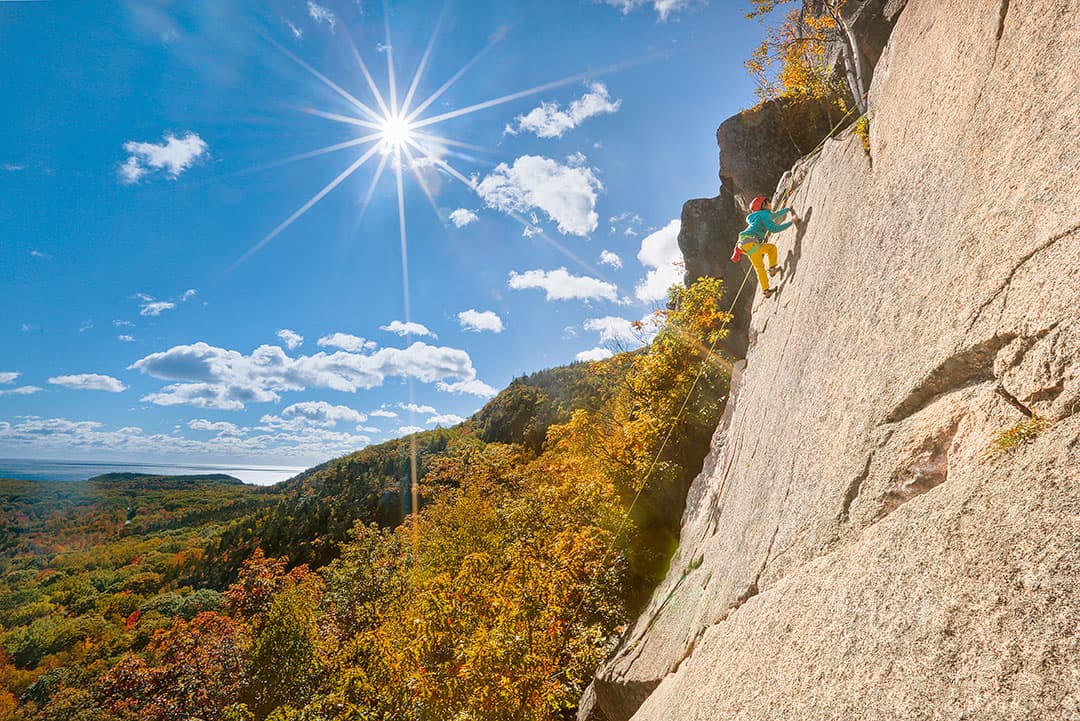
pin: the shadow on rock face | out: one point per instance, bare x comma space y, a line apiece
791, 260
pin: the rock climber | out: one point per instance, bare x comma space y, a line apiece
760, 221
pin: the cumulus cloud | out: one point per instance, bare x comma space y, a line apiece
308, 444
347, 342
382, 413
609, 258
561, 285
414, 408
89, 382
624, 333
322, 14
480, 320
188, 295
462, 217
446, 419
313, 413
472, 387
404, 329
613, 329
664, 8
126, 338
566, 194
408, 430
323, 413
290, 338
173, 156
660, 252
9, 376
594, 354
206, 376
223, 428
549, 120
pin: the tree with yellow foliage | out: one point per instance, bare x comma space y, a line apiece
791, 60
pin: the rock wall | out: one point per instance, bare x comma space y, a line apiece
855, 547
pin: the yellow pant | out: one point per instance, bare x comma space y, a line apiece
762, 256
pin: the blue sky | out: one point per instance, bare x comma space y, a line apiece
160, 306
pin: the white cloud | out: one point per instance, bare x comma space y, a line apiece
290, 338
660, 252
174, 156
566, 194
594, 354
664, 8
22, 391
126, 338
310, 444
614, 329
472, 387
122, 323
446, 419
480, 320
188, 295
12, 167
549, 120
297, 32
462, 217
347, 342
153, 308
414, 408
623, 333
627, 222
223, 428
38, 254
408, 430
313, 413
9, 377
609, 258
89, 382
561, 285
382, 413
404, 329
86, 325
322, 14
210, 377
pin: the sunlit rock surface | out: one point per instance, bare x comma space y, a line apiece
855, 547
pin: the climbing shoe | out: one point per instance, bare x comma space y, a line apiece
774, 270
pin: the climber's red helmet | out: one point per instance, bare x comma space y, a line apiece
758, 203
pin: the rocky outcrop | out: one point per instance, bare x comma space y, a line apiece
856, 546
757, 147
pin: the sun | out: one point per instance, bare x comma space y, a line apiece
396, 132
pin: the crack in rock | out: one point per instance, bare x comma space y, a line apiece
1015, 269
964, 368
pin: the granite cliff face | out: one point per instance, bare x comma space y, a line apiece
855, 547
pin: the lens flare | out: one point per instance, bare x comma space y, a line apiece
395, 132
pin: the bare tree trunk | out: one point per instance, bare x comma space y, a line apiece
852, 57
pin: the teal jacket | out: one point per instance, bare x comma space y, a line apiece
764, 220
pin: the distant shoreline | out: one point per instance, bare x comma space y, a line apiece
35, 469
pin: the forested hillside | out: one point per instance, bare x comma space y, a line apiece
544, 522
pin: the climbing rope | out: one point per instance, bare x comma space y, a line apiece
624, 522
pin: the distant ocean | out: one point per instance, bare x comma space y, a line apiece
40, 470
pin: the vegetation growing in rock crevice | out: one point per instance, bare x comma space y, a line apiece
496, 601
